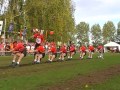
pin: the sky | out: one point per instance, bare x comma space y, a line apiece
97, 11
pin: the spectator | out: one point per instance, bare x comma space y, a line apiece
1, 49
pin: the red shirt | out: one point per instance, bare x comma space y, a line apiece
41, 49
72, 48
83, 48
91, 48
19, 47
39, 37
35, 35
100, 47
63, 49
53, 49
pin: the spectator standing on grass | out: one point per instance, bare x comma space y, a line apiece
1, 49
7, 48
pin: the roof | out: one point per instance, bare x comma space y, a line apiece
111, 44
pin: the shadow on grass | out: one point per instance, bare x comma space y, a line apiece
30, 64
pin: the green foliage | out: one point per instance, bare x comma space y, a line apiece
96, 34
55, 15
118, 30
108, 31
82, 32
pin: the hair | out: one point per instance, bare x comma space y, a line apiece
14, 42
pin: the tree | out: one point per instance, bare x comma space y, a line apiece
82, 32
55, 15
108, 31
118, 28
96, 34
117, 38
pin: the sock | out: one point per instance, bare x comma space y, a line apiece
13, 61
18, 63
35, 60
70, 57
50, 60
62, 58
38, 60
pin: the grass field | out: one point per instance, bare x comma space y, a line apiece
47, 75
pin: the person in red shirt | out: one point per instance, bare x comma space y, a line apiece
19, 51
82, 51
52, 52
100, 49
40, 53
39, 38
63, 52
72, 51
90, 50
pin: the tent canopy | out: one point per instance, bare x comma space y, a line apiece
111, 44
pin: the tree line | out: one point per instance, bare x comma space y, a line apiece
57, 16
97, 34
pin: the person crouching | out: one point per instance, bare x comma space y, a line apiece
52, 52
40, 53
63, 52
19, 51
72, 51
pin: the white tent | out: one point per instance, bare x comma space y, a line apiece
111, 44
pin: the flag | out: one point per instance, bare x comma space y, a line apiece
1, 25
11, 27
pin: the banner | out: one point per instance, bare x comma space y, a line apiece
11, 27
1, 25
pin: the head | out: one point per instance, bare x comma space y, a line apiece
90, 44
20, 41
14, 42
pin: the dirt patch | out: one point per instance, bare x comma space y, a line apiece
92, 78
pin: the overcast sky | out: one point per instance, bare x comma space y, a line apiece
97, 11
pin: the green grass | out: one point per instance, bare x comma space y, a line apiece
32, 77
111, 84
